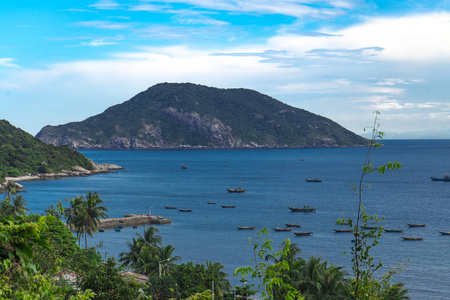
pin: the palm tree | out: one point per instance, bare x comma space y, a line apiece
73, 215
11, 189
91, 213
166, 258
396, 292
19, 205
131, 257
221, 283
150, 237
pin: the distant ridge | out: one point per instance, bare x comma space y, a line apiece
186, 115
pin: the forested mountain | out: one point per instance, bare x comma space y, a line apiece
21, 154
185, 115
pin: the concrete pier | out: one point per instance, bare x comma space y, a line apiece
132, 220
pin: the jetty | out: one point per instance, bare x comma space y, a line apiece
132, 220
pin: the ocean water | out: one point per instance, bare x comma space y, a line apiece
275, 179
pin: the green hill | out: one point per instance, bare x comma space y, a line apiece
185, 115
22, 154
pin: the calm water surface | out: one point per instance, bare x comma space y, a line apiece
275, 179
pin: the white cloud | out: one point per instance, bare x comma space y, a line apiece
105, 4
103, 25
7, 62
97, 43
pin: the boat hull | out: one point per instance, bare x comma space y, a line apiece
246, 227
304, 209
417, 225
303, 233
407, 238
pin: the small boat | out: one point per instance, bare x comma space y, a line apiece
210, 202
236, 190
170, 207
444, 232
228, 206
313, 180
302, 159
303, 233
305, 208
135, 226
118, 228
246, 227
343, 230
417, 225
445, 178
393, 230
369, 227
101, 230
282, 229
185, 210
410, 238
183, 166
293, 225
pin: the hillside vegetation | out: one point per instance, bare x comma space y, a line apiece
21, 154
184, 115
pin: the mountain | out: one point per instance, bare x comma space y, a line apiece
185, 115
22, 154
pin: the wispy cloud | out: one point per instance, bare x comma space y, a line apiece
7, 62
97, 43
103, 25
105, 4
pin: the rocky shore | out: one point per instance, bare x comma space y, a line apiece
77, 171
132, 220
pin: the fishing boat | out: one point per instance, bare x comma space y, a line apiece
183, 166
416, 225
236, 190
411, 238
369, 227
135, 226
282, 229
170, 207
393, 230
101, 230
444, 232
246, 227
228, 206
305, 208
118, 228
343, 230
303, 233
302, 159
185, 210
210, 202
445, 178
313, 180
293, 225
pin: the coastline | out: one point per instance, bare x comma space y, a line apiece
76, 172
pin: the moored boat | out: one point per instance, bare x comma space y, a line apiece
211, 202
245, 227
293, 225
411, 238
282, 229
444, 232
445, 178
416, 225
185, 210
303, 233
170, 207
313, 180
343, 230
183, 166
369, 227
236, 190
305, 208
228, 206
118, 228
393, 230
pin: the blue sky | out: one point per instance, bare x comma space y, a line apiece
63, 61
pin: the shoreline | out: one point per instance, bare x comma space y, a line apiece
132, 220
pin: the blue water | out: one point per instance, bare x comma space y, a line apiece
275, 179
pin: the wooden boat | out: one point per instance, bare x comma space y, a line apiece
313, 180
410, 238
303, 233
343, 230
135, 226
236, 190
306, 208
282, 229
185, 210
101, 230
293, 225
211, 202
118, 228
417, 225
183, 166
170, 207
302, 159
228, 206
369, 227
445, 178
393, 230
444, 232
246, 227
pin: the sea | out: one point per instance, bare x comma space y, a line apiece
274, 179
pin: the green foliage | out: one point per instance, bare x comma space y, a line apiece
191, 278
183, 114
107, 284
163, 288
21, 154
274, 277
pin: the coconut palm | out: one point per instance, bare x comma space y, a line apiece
91, 213
150, 237
396, 292
221, 283
19, 206
73, 215
131, 257
11, 189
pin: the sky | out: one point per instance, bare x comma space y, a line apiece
64, 61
